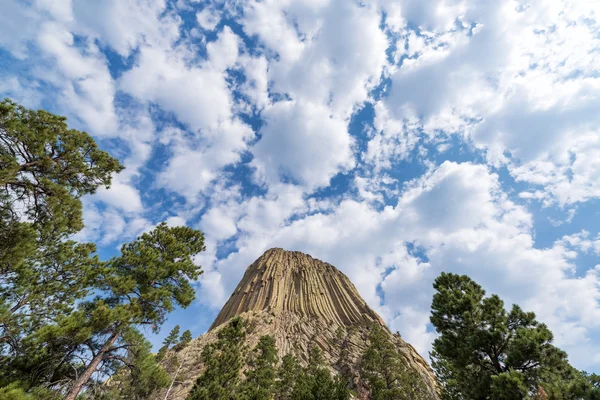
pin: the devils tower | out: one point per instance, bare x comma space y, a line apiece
301, 302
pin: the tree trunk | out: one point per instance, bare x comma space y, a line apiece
91, 368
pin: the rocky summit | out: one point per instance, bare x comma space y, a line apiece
301, 302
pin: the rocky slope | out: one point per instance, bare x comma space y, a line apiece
300, 301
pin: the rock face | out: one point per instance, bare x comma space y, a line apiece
301, 301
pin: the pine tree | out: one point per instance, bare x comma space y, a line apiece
315, 381
141, 376
483, 351
184, 339
169, 340
386, 372
223, 362
287, 375
171, 337
261, 373
45, 168
138, 288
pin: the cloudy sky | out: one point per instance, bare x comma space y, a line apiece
394, 139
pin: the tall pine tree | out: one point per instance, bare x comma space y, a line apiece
484, 352
387, 373
223, 361
261, 372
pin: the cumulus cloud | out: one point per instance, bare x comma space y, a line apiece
302, 141
477, 118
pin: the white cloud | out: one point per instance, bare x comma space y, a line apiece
125, 25
197, 162
460, 219
302, 141
336, 56
218, 224
207, 19
121, 195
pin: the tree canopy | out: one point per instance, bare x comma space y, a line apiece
486, 352
68, 320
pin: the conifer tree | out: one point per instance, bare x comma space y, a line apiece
287, 375
45, 168
169, 340
315, 381
184, 339
136, 377
387, 373
223, 361
261, 373
483, 351
139, 287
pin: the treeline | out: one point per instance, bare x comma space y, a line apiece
232, 372
69, 321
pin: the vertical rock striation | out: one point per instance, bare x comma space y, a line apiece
301, 302
294, 282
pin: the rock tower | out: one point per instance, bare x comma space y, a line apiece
301, 301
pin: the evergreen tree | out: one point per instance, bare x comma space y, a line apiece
45, 168
184, 339
137, 374
138, 288
261, 373
223, 361
287, 375
171, 337
485, 352
387, 372
315, 381
169, 340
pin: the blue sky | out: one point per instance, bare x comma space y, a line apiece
393, 139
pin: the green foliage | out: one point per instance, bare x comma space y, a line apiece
139, 375
223, 362
261, 372
485, 352
66, 318
171, 337
45, 167
387, 373
15, 391
287, 375
168, 342
186, 337
316, 383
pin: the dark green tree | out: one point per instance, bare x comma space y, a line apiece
387, 373
223, 361
184, 339
485, 352
316, 383
287, 375
45, 168
168, 342
137, 288
137, 375
260, 375
172, 337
